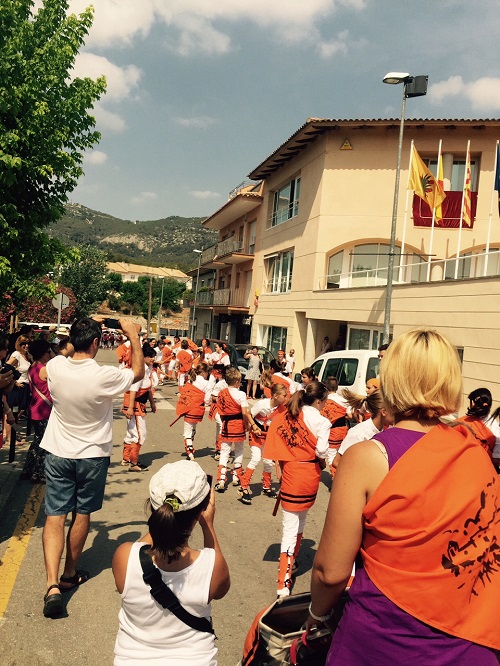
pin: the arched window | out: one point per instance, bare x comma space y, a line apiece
369, 264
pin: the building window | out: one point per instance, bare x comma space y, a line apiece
334, 270
457, 174
286, 202
364, 338
279, 270
464, 267
274, 338
369, 264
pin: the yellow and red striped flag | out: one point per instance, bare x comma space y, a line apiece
438, 215
467, 209
423, 183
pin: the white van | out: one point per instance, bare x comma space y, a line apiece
352, 368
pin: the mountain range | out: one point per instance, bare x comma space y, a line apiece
168, 242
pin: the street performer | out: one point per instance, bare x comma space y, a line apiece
262, 413
298, 439
195, 396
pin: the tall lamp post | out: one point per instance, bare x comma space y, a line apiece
162, 278
198, 252
413, 86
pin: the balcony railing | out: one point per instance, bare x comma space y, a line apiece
226, 247
230, 297
229, 246
205, 298
208, 254
467, 267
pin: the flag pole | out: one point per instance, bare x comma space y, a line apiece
403, 236
490, 217
462, 213
431, 242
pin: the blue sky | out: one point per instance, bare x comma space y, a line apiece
201, 91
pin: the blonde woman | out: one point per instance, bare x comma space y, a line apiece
19, 398
428, 591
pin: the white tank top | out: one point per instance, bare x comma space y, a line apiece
150, 635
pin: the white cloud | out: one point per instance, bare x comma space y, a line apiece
143, 197
194, 26
96, 157
121, 81
338, 45
483, 94
204, 194
107, 120
117, 22
198, 122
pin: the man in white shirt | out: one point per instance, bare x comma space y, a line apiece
78, 441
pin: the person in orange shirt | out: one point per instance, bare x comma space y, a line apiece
298, 440
232, 407
184, 362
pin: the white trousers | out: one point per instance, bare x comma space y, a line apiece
256, 457
136, 430
225, 450
293, 524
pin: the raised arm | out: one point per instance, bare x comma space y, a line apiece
131, 330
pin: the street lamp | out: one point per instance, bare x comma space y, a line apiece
198, 252
162, 278
413, 86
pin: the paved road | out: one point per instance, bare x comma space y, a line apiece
249, 537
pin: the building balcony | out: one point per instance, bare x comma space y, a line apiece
231, 298
227, 252
205, 298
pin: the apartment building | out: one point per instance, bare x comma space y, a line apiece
226, 290
320, 212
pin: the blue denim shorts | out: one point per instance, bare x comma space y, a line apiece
74, 485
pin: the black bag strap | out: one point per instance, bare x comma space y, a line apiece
166, 598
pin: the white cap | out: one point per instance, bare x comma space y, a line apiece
183, 483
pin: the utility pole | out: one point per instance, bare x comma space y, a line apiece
150, 296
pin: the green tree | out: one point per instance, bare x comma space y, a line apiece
87, 278
115, 282
136, 294
45, 127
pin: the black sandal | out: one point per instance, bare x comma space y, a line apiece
53, 603
79, 578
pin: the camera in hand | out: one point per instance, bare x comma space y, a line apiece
6, 367
111, 323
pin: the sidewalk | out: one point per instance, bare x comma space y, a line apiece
10, 472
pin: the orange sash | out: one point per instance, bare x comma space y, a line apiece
289, 439
185, 360
431, 539
233, 425
482, 432
191, 403
124, 354
141, 397
264, 422
336, 414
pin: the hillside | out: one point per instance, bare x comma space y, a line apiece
167, 242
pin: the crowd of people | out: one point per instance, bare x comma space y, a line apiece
406, 517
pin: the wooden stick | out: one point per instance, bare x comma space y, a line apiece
277, 505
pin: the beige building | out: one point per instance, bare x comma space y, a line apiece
132, 272
311, 239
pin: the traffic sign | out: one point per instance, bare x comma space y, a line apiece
61, 301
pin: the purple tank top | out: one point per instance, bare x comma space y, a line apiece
374, 631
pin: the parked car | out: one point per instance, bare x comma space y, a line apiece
352, 367
237, 356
